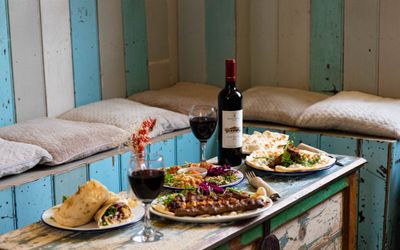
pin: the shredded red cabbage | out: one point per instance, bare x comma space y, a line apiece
221, 170
207, 187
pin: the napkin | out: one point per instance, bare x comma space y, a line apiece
258, 182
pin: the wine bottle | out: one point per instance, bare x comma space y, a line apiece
230, 116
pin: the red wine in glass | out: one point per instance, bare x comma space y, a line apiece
147, 183
203, 127
203, 120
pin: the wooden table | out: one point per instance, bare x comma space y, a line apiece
314, 211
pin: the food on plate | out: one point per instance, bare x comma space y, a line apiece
114, 211
79, 208
221, 175
288, 159
264, 140
210, 200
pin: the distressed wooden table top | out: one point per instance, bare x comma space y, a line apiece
180, 235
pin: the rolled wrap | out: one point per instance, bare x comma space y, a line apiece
121, 211
80, 208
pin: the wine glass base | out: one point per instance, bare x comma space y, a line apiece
147, 236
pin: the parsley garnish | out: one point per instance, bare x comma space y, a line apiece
64, 197
110, 211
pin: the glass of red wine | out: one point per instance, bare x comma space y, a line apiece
203, 120
146, 177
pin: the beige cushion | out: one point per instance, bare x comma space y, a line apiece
128, 115
65, 140
179, 97
16, 157
279, 105
355, 112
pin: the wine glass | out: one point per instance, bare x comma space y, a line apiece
146, 177
203, 120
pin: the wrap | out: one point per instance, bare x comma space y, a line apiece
80, 208
114, 211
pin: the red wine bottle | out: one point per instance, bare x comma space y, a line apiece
230, 116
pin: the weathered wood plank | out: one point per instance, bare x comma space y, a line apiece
166, 149
187, 148
294, 44
158, 34
107, 171
393, 197
85, 51
135, 46
264, 42
339, 145
7, 109
7, 215
372, 189
67, 183
220, 38
243, 40
191, 40
389, 52
319, 227
326, 52
124, 159
56, 35
27, 59
31, 199
250, 130
308, 203
112, 62
361, 45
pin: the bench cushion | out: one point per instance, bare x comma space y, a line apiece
65, 140
128, 115
353, 111
16, 157
180, 97
279, 105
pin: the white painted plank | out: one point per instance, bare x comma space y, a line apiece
389, 55
192, 50
361, 50
243, 44
158, 24
264, 42
173, 39
294, 43
111, 43
56, 33
27, 59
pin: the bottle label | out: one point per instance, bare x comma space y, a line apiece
232, 125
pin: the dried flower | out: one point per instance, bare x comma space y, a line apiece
140, 138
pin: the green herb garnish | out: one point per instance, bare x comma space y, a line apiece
64, 197
111, 211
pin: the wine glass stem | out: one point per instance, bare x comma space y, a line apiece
203, 150
147, 226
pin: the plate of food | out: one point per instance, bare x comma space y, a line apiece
264, 140
190, 175
93, 208
214, 206
289, 160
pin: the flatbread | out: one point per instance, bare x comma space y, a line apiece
264, 140
256, 160
79, 209
112, 201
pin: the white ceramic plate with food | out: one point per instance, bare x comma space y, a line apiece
47, 218
212, 218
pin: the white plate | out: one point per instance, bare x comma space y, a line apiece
47, 215
239, 175
213, 218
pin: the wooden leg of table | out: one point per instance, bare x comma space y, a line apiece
350, 213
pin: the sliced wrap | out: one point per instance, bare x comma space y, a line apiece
80, 208
114, 211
